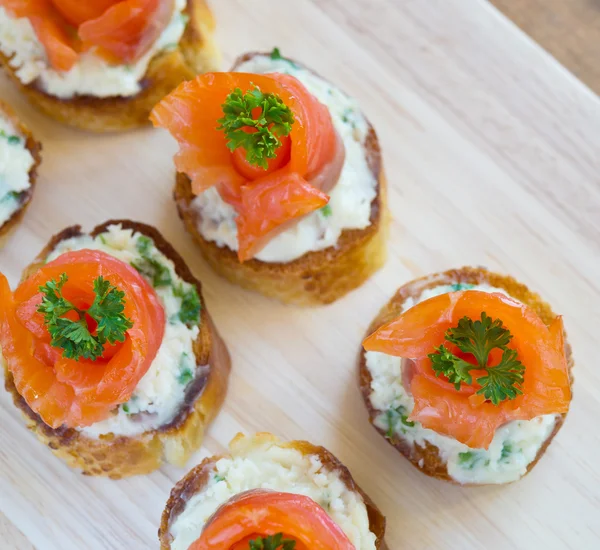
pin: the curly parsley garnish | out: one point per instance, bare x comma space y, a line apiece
479, 338
260, 137
274, 542
74, 337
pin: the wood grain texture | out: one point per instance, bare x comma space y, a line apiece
11, 537
493, 158
568, 29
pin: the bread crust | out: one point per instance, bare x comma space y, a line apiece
195, 481
315, 278
35, 148
427, 459
120, 456
195, 53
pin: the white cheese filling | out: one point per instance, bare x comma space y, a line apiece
91, 75
351, 198
514, 447
15, 163
265, 465
160, 393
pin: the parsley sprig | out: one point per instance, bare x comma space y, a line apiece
260, 137
479, 338
274, 542
74, 337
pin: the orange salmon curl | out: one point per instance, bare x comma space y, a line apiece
262, 513
267, 199
121, 31
78, 392
464, 414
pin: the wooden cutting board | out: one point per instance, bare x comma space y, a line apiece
492, 151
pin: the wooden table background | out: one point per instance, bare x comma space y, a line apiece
493, 157
568, 29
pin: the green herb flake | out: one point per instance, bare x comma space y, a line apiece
150, 267
158, 273
10, 196
12, 140
456, 287
275, 55
125, 408
143, 244
391, 423
190, 305
470, 459
186, 374
185, 377
506, 451
393, 415
406, 422
326, 211
218, 478
466, 459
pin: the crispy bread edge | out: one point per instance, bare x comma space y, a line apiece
316, 278
195, 481
35, 149
196, 53
120, 456
427, 459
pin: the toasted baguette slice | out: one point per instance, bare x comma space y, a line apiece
121, 456
195, 53
254, 447
316, 277
34, 148
427, 458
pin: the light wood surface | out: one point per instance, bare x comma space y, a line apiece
568, 29
493, 158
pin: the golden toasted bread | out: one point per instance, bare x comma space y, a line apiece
316, 277
25, 197
195, 53
427, 459
196, 480
120, 456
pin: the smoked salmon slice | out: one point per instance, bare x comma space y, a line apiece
50, 29
77, 12
266, 200
119, 30
126, 30
464, 414
69, 392
261, 513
